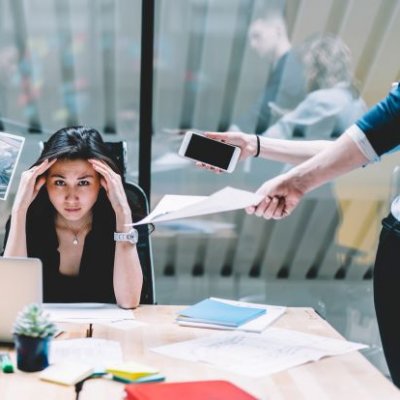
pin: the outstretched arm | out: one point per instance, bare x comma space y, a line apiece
374, 134
283, 193
287, 151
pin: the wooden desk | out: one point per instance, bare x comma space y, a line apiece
349, 376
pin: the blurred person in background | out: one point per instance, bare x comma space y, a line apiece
333, 102
285, 85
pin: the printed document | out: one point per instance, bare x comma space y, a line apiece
173, 207
87, 313
256, 355
97, 353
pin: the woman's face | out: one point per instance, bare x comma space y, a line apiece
73, 187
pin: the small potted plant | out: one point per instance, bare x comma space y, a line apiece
32, 333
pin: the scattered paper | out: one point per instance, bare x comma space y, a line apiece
256, 325
87, 313
173, 207
255, 354
97, 353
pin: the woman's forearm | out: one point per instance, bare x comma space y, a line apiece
16, 241
291, 151
128, 277
342, 156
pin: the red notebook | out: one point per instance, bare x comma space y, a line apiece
197, 390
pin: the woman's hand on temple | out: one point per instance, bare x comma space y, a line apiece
31, 182
112, 183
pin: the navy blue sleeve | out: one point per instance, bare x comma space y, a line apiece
381, 124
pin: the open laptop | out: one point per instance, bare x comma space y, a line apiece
20, 284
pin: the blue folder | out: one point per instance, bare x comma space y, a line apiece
210, 311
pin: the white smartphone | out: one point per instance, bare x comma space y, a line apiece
198, 147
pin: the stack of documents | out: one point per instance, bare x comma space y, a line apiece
219, 313
215, 312
133, 372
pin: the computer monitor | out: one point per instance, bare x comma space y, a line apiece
20, 284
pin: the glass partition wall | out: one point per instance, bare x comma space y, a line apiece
298, 69
68, 63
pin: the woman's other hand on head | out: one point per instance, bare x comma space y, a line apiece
31, 182
112, 184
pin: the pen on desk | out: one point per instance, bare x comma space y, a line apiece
6, 363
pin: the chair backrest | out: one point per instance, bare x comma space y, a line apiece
137, 197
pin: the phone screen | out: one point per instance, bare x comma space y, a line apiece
209, 151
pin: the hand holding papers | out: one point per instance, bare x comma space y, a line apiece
175, 206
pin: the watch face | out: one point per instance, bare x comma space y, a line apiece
133, 236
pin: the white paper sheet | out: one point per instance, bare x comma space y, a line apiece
255, 354
87, 313
173, 207
256, 325
97, 353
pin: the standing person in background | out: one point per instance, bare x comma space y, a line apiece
285, 85
66, 210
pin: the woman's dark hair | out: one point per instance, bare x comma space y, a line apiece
77, 143
80, 143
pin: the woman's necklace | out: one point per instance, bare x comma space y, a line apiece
77, 232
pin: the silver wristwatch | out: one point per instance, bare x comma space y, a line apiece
132, 236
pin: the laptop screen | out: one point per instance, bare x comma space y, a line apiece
20, 284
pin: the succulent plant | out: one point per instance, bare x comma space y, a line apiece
33, 322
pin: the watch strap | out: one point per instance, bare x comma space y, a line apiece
132, 236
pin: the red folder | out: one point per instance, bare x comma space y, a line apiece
197, 390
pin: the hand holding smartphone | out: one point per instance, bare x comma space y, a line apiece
198, 147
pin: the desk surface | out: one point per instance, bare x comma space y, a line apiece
348, 376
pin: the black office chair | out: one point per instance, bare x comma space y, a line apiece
137, 197
138, 200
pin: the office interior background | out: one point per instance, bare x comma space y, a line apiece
79, 62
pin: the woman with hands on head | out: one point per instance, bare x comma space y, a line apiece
66, 210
